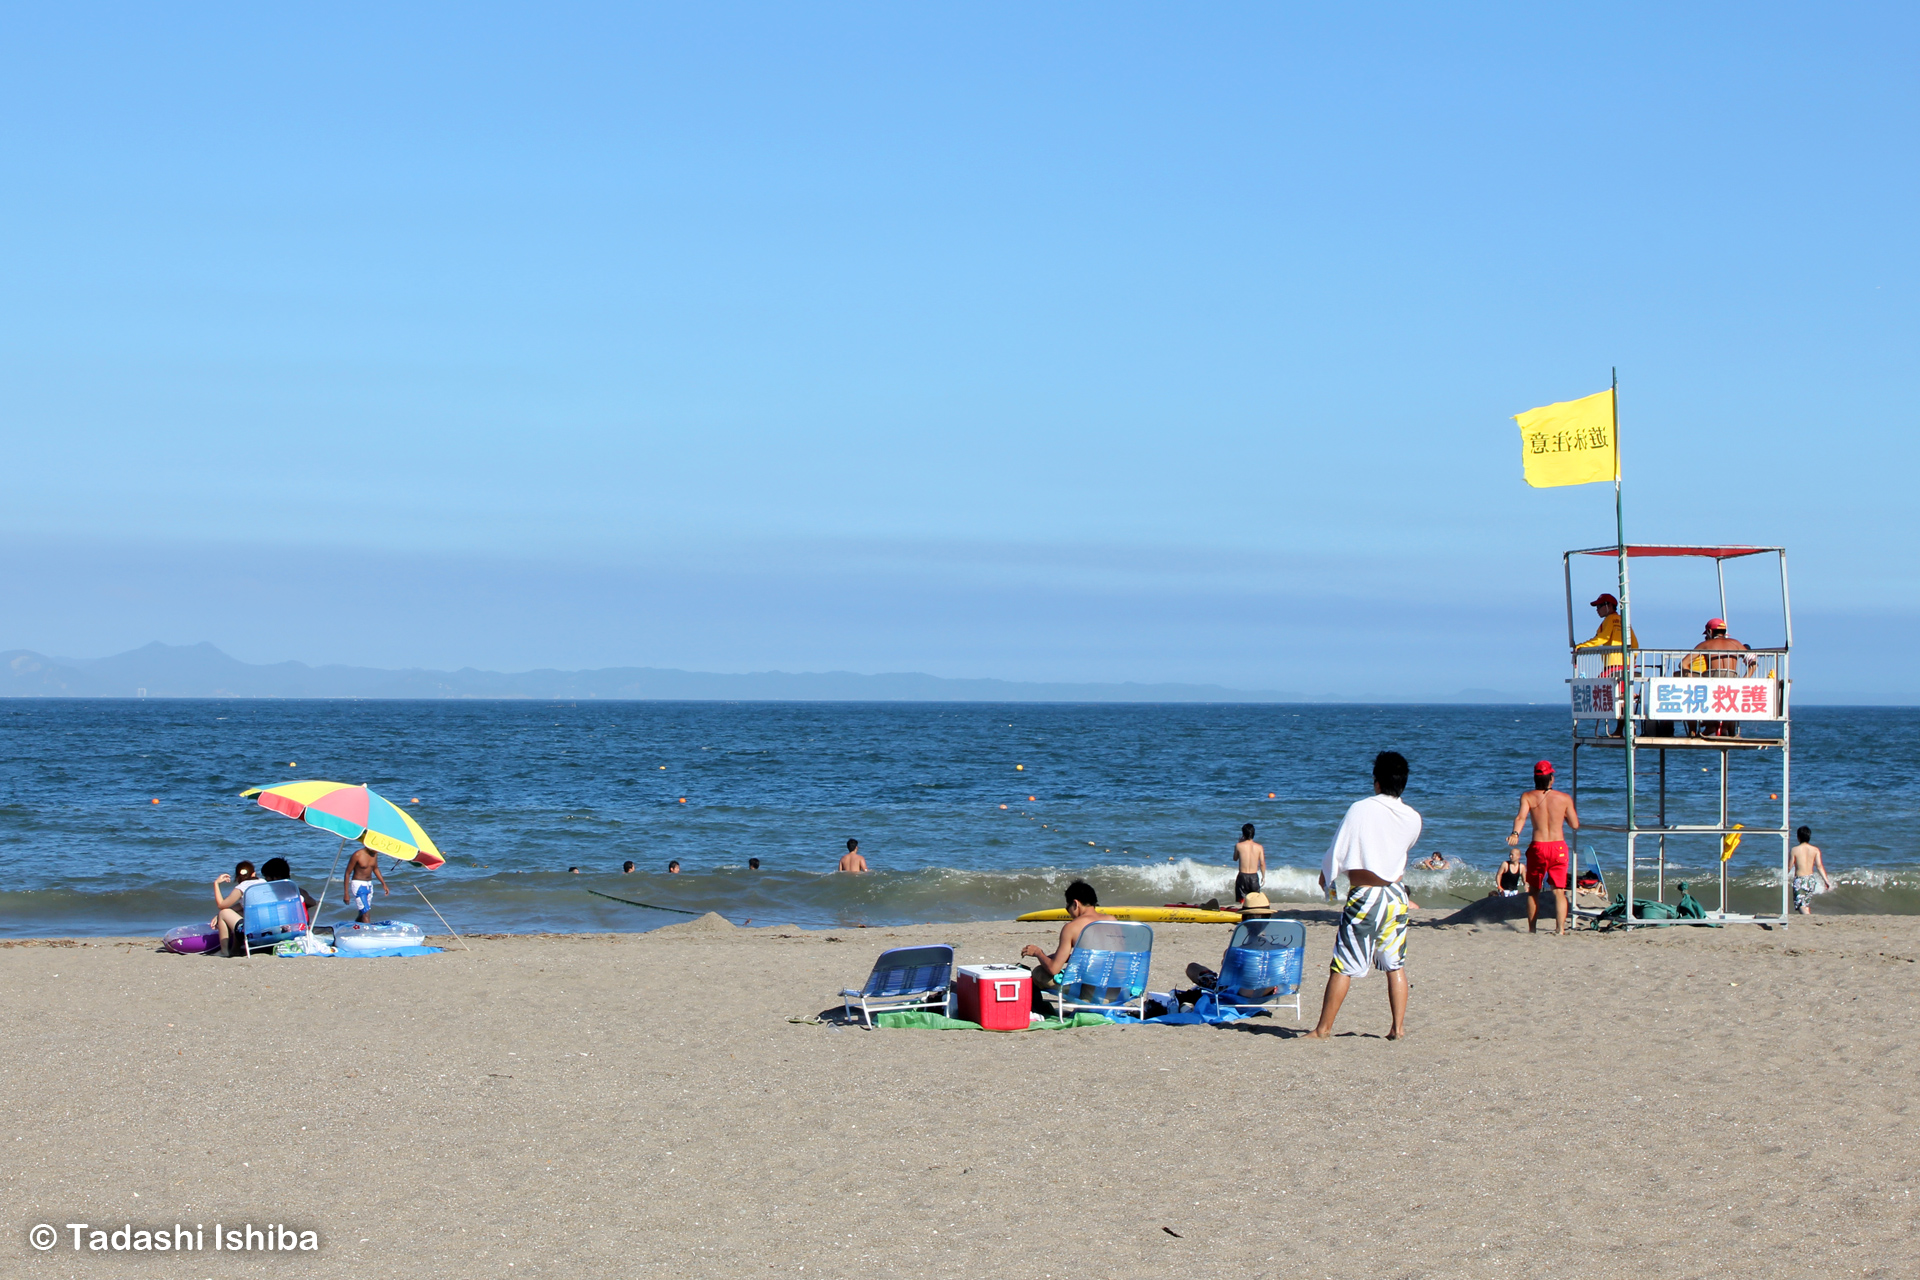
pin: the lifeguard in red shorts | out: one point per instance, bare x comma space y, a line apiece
1551, 812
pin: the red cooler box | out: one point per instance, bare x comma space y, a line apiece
997, 996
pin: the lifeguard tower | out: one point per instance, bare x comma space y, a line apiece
1630, 702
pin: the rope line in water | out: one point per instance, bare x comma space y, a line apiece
1044, 826
648, 905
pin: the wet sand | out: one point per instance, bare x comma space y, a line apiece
1665, 1103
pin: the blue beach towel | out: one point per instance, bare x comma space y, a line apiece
375, 955
1206, 1012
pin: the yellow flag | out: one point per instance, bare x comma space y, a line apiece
1731, 841
1569, 443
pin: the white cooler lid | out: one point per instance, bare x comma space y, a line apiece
993, 972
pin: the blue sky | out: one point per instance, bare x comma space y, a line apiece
1094, 343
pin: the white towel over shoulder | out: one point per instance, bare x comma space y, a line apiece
1374, 836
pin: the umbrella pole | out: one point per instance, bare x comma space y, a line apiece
443, 920
325, 889
436, 911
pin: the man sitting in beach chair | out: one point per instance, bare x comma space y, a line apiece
1107, 972
903, 978
273, 909
1083, 908
1260, 969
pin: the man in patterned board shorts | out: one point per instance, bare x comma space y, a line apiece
1371, 849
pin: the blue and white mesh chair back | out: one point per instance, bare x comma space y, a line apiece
1107, 972
903, 978
271, 912
1262, 954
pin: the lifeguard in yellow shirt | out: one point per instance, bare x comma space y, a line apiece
1608, 636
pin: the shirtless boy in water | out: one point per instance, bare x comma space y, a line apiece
363, 868
1807, 862
1252, 857
852, 861
1547, 851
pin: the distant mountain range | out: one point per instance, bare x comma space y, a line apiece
202, 671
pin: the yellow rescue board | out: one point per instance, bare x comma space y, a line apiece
1145, 915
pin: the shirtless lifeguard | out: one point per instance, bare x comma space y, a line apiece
851, 860
1550, 811
363, 868
1252, 857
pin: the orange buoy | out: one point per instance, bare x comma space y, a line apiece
156, 800
1029, 797
683, 799
1003, 806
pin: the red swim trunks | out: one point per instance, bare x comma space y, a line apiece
1547, 862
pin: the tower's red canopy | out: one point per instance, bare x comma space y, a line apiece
1649, 549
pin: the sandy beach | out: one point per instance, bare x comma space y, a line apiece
1671, 1103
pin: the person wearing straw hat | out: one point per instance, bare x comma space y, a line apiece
1256, 907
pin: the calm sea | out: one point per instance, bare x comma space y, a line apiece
965, 811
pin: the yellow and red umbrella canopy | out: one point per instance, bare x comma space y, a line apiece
357, 813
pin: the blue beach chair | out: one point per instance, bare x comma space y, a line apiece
1262, 954
1107, 972
271, 912
903, 978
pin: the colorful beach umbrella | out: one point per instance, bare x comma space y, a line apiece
355, 813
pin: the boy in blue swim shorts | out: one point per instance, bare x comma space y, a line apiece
1371, 850
363, 868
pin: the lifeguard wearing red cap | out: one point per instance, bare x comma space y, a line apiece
1606, 598
1716, 624
1543, 766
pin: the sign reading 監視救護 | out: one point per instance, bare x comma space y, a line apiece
1596, 698
1681, 698
1707, 698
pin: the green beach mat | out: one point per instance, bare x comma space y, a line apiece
940, 1022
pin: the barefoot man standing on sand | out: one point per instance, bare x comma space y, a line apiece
357, 884
1547, 853
1371, 848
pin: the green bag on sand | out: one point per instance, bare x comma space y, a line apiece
1689, 908
940, 1022
1643, 909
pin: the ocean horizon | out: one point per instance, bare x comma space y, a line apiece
965, 811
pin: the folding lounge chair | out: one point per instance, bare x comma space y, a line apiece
903, 978
1262, 954
1107, 972
271, 912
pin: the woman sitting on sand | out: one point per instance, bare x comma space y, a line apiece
226, 908
1511, 875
